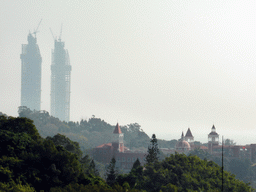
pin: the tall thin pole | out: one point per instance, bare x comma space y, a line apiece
222, 168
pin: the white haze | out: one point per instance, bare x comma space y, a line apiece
167, 65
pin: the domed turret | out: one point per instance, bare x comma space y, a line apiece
182, 145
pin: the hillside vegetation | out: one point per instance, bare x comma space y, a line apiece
29, 162
90, 133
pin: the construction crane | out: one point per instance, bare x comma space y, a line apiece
54, 38
52, 35
36, 31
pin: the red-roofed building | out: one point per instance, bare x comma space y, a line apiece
124, 157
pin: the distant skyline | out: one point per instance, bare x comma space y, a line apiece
167, 65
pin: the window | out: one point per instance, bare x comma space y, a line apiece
133, 159
123, 159
128, 159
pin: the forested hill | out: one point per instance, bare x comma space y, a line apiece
89, 133
31, 163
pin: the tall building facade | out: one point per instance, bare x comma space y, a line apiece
31, 61
60, 82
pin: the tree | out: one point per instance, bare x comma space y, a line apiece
92, 169
189, 173
68, 144
26, 156
24, 111
229, 142
19, 125
153, 151
136, 164
200, 153
111, 172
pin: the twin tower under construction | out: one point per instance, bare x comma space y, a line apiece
31, 62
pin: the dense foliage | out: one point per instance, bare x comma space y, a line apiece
26, 158
30, 163
179, 172
182, 173
241, 167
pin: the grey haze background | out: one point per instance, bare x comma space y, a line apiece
167, 64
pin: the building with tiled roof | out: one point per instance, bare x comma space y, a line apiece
124, 157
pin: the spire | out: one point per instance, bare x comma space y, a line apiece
182, 136
213, 129
117, 129
188, 134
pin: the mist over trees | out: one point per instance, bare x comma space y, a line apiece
30, 162
88, 133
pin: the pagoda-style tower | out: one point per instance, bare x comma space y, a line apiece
60, 82
213, 139
118, 137
31, 61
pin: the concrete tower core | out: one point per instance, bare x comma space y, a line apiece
60, 82
31, 61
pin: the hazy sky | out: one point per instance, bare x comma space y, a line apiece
165, 64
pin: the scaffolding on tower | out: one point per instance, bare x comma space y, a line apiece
60, 81
31, 61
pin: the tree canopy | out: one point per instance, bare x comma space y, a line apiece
29, 162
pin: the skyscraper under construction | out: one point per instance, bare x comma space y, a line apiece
60, 81
31, 61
